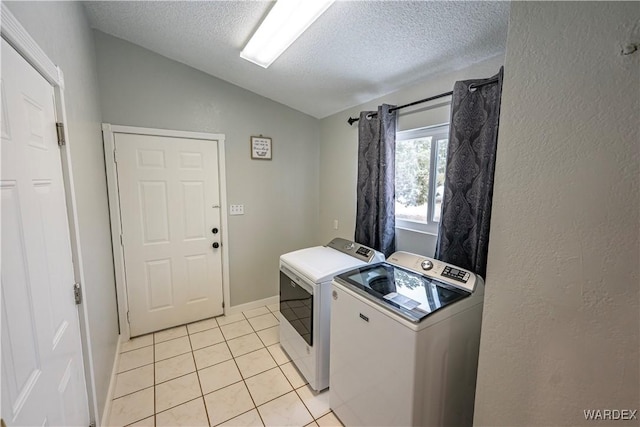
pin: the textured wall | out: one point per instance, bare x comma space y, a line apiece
561, 323
62, 31
280, 197
339, 152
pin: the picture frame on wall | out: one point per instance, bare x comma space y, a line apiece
261, 148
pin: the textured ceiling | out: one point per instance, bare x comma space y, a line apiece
355, 52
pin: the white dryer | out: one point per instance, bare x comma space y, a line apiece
405, 337
305, 302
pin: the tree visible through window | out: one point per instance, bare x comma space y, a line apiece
421, 156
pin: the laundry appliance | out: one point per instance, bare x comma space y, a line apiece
405, 337
305, 302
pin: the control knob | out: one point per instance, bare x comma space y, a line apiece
426, 265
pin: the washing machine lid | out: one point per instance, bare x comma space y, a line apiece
411, 295
319, 263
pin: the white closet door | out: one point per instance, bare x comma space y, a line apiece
169, 207
42, 368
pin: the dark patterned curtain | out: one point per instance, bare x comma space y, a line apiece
376, 213
463, 235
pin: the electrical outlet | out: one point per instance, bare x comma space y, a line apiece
335, 224
236, 210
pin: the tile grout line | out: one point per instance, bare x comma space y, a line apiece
133, 392
138, 348
133, 369
244, 382
206, 411
167, 358
187, 374
242, 376
133, 422
307, 406
277, 367
295, 390
248, 392
191, 351
142, 389
183, 403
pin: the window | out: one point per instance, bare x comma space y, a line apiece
421, 156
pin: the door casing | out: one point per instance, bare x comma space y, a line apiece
108, 135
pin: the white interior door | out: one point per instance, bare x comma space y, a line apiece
42, 368
170, 214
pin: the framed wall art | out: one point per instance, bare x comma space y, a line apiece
261, 148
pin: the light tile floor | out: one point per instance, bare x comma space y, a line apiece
225, 371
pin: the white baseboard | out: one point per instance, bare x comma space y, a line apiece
251, 305
104, 420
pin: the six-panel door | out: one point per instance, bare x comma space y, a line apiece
169, 208
42, 368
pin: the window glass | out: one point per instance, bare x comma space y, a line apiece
441, 163
413, 157
421, 156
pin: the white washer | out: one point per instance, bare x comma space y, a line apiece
305, 302
405, 337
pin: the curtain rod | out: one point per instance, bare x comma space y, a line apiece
472, 87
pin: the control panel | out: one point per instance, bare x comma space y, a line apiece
455, 274
436, 269
356, 250
364, 251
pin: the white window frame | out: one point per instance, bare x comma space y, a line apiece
430, 226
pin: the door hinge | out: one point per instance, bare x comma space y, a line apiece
121, 244
77, 293
115, 156
222, 304
60, 133
128, 321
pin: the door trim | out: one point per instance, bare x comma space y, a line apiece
108, 135
17, 36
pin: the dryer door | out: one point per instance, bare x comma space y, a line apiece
296, 304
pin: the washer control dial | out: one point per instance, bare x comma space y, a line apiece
426, 265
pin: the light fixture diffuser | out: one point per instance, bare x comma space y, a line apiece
284, 23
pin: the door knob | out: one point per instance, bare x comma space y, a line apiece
214, 230
216, 245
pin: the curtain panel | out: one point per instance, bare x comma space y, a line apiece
375, 210
463, 235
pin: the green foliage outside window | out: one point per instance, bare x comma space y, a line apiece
413, 158
419, 159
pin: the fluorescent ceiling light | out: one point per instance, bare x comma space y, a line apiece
286, 21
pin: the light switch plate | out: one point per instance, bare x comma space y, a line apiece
236, 210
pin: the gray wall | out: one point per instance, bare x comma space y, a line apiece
280, 197
339, 152
561, 318
62, 31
